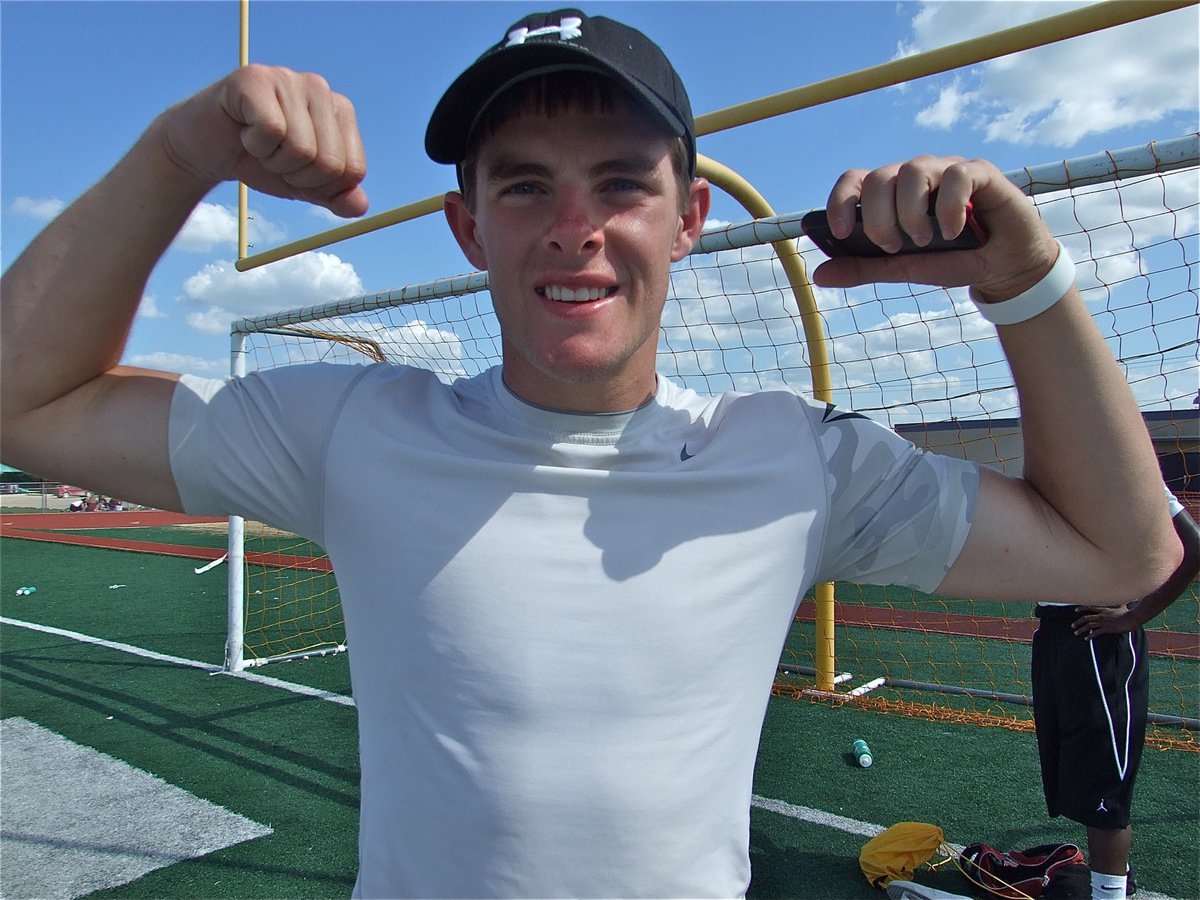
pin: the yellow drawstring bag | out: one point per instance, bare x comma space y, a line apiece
897, 852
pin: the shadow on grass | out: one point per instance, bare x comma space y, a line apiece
209, 734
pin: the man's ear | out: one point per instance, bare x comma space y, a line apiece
462, 224
692, 219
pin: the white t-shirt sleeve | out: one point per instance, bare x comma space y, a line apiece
1173, 503
255, 446
897, 514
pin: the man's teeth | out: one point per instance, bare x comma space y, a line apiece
578, 295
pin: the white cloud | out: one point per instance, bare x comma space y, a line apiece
325, 215
207, 227
149, 308
905, 353
212, 225
1133, 74
1102, 225
213, 320
182, 363
732, 322
948, 109
226, 294
42, 209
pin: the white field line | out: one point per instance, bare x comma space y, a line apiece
791, 810
180, 661
818, 817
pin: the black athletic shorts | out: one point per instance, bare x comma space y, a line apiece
1089, 707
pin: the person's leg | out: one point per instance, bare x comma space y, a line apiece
1122, 662
1108, 857
1101, 730
1108, 849
1046, 680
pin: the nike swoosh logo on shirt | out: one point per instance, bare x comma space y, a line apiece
833, 414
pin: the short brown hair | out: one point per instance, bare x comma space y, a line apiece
552, 95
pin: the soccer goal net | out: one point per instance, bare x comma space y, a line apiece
919, 359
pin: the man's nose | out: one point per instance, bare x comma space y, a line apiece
575, 226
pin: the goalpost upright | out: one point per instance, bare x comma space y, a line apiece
236, 559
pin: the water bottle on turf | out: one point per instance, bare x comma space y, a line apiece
862, 753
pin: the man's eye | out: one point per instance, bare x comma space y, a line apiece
624, 184
521, 188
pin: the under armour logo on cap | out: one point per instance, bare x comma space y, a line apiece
566, 30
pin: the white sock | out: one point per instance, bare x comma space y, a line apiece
1107, 887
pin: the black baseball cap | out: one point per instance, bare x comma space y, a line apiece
561, 41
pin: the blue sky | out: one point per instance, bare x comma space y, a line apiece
79, 81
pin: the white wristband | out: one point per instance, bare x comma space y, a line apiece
1035, 301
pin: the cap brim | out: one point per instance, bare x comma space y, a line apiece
454, 118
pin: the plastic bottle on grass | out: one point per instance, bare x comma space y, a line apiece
862, 753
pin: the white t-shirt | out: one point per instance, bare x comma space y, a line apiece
563, 629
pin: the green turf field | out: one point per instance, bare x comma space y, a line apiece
288, 761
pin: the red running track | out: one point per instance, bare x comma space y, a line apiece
25, 527
1162, 643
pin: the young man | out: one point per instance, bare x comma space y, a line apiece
1091, 690
562, 649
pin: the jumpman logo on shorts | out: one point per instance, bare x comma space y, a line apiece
1101, 807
